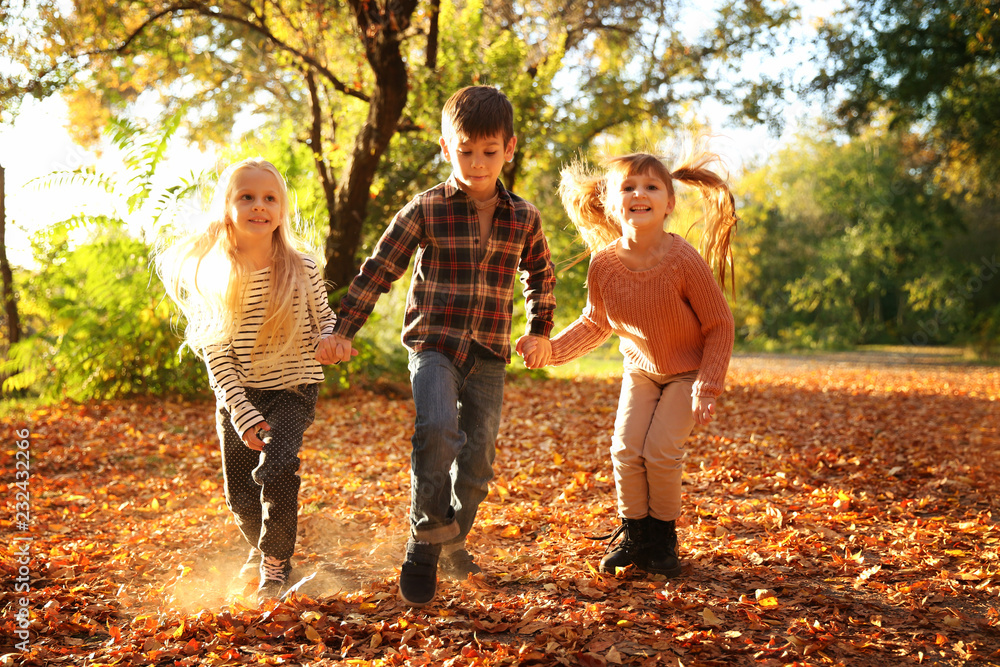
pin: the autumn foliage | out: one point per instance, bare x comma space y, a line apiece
835, 514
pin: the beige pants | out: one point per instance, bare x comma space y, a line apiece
654, 418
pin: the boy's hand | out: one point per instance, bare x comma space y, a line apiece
536, 351
702, 409
251, 439
333, 349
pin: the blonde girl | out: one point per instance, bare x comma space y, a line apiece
656, 292
257, 313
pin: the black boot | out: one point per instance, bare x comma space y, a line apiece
418, 575
660, 548
630, 551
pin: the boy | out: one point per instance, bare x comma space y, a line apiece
471, 237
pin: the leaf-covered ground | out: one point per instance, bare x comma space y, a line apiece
836, 514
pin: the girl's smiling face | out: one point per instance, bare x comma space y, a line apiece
255, 206
641, 200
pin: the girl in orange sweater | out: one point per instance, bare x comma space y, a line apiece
656, 292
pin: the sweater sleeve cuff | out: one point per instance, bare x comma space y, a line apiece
243, 416
327, 330
703, 389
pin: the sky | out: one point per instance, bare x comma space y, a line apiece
37, 144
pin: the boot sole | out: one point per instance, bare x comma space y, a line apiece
672, 572
614, 570
411, 603
419, 603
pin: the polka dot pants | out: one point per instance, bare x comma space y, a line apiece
262, 488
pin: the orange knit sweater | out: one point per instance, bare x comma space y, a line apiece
672, 318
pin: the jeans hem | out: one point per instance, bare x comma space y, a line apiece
436, 535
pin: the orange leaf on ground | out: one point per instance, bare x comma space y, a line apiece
840, 510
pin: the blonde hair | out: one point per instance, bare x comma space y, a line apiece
584, 193
207, 277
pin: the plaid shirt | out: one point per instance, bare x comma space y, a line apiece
460, 292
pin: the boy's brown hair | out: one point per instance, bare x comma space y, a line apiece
475, 112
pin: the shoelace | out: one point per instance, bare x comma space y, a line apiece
274, 569
612, 537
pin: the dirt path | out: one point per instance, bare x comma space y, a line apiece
917, 357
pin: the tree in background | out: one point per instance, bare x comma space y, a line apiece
12, 319
931, 65
854, 243
96, 322
880, 227
352, 75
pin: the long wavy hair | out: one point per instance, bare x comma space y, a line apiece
584, 192
207, 277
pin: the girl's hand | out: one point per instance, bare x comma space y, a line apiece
540, 353
702, 409
250, 438
535, 350
333, 349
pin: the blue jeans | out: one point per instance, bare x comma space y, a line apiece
454, 442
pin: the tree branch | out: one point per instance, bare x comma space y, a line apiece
203, 10
316, 138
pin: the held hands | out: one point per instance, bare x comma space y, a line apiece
333, 349
703, 409
251, 439
536, 350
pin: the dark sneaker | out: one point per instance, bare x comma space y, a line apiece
631, 550
459, 565
418, 576
661, 553
251, 568
274, 575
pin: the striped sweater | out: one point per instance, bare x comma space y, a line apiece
229, 365
672, 318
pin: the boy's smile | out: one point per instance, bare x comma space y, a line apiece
477, 163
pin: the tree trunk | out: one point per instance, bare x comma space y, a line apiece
511, 169
432, 34
382, 29
9, 299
